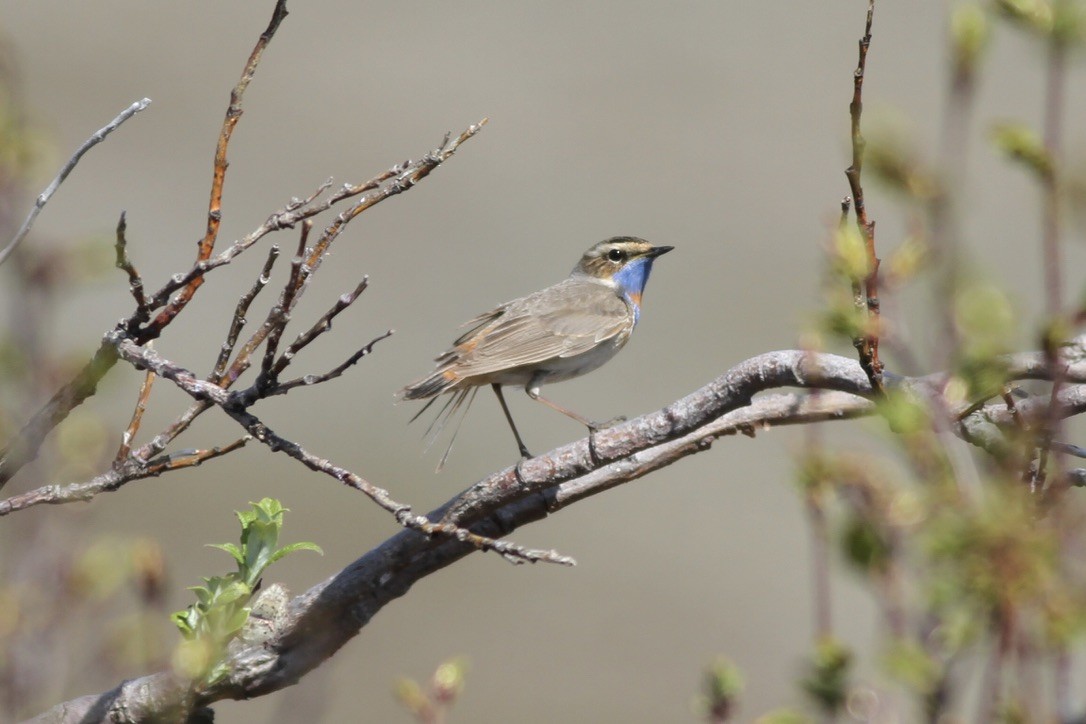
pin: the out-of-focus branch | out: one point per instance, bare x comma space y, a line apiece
43, 198
26, 443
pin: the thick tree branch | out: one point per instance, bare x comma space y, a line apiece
318, 622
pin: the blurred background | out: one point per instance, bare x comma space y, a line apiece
719, 128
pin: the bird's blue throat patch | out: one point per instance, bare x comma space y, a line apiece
631, 280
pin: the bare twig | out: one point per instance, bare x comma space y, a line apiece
402, 177
395, 180
1055, 80
867, 345
299, 269
237, 322
321, 326
284, 387
193, 458
214, 210
137, 416
1050, 243
130, 470
43, 198
208, 392
943, 208
135, 281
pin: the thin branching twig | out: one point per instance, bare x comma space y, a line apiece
214, 210
135, 281
137, 416
237, 322
867, 344
43, 198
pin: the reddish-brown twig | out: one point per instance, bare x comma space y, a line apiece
137, 416
214, 210
395, 180
192, 458
27, 442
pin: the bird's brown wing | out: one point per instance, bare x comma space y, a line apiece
565, 320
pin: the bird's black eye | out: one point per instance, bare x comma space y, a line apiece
616, 255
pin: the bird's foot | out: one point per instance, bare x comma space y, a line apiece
597, 426
518, 474
593, 429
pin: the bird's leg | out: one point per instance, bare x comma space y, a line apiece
533, 392
593, 427
505, 408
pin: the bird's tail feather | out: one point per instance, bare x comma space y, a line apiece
452, 405
430, 386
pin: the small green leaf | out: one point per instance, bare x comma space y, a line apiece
222, 610
235, 552
969, 34
850, 253
909, 663
827, 679
299, 546
236, 620
865, 546
1020, 143
1034, 15
721, 686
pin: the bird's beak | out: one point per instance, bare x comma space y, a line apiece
658, 251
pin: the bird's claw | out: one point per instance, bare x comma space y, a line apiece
597, 426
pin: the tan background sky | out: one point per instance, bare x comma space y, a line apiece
719, 128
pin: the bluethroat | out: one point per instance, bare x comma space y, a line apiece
555, 334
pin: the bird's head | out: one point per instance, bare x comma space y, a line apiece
623, 262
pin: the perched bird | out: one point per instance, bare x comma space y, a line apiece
555, 334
